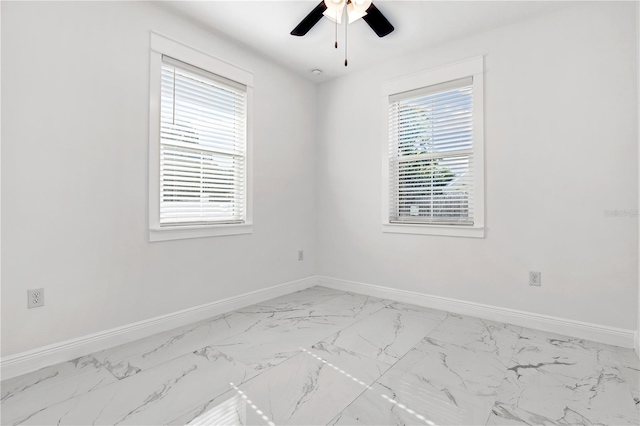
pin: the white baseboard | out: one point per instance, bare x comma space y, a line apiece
15, 365
636, 342
582, 330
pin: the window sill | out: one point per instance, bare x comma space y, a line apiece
445, 230
200, 231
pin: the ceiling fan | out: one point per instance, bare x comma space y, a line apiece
355, 9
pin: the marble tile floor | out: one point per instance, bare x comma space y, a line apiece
322, 356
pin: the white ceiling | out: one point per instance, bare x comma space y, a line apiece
265, 27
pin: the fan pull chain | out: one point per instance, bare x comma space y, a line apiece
336, 43
346, 25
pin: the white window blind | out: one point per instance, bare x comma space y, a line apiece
431, 155
203, 132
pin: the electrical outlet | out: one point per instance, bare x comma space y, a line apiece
300, 254
35, 298
535, 278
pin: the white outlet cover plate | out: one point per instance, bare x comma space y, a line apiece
535, 278
35, 298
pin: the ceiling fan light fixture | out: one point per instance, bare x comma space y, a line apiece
354, 14
361, 5
334, 5
334, 10
333, 16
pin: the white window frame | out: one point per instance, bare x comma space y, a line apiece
469, 68
161, 45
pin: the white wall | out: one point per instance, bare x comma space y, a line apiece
74, 175
561, 147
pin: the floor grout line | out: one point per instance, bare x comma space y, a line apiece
390, 366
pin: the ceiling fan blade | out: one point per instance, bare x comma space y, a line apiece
310, 20
378, 23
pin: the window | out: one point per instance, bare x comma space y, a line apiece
434, 162
199, 144
202, 147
